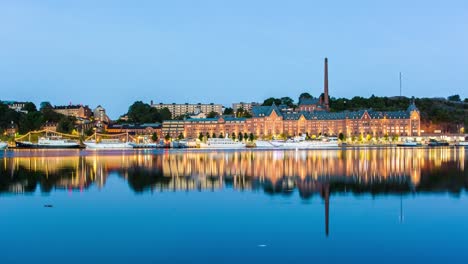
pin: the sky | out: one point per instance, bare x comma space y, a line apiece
112, 53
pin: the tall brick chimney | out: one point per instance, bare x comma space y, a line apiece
325, 86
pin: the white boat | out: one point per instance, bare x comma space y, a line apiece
267, 144
462, 143
222, 143
108, 144
145, 145
408, 143
49, 142
3, 145
301, 143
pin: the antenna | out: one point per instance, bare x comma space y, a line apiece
400, 84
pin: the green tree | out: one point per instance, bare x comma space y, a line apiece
181, 136
305, 96
167, 137
30, 107
212, 114
221, 135
207, 135
240, 137
154, 137
246, 136
66, 124
200, 136
455, 98
341, 136
233, 136
251, 137
228, 111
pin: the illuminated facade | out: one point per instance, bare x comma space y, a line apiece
182, 109
273, 121
78, 111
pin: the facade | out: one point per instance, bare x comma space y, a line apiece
182, 109
270, 121
312, 117
246, 106
135, 129
78, 111
15, 105
100, 115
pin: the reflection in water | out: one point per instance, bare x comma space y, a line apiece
390, 170
320, 172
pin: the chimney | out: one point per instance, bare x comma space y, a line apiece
325, 86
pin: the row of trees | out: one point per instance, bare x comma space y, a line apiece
34, 119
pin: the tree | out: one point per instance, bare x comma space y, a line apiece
200, 136
341, 136
167, 137
304, 96
207, 135
246, 136
30, 107
455, 98
140, 112
154, 137
181, 136
287, 101
251, 137
214, 135
45, 105
212, 114
228, 111
66, 124
221, 135
233, 136
240, 136
270, 101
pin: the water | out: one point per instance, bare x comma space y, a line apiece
388, 205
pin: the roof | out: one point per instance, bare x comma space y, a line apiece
309, 101
135, 126
261, 111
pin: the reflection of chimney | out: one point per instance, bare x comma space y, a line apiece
325, 86
326, 197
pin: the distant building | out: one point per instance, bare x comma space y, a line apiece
78, 111
135, 129
51, 126
100, 114
246, 106
182, 109
12, 129
17, 106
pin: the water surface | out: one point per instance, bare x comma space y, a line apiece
388, 205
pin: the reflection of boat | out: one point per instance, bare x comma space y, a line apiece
435, 143
222, 143
3, 145
108, 144
49, 142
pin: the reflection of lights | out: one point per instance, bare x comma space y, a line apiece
195, 169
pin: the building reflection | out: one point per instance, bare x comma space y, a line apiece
390, 170
307, 173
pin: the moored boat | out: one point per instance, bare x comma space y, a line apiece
408, 143
107, 144
3, 145
49, 143
462, 143
436, 143
222, 143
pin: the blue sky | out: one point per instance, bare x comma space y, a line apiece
115, 52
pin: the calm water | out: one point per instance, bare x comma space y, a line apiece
349, 206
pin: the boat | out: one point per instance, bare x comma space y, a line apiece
145, 145
222, 143
3, 145
267, 144
435, 143
185, 143
49, 143
462, 144
300, 142
408, 143
107, 144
